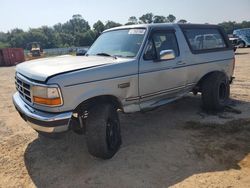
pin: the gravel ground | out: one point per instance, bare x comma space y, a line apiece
176, 145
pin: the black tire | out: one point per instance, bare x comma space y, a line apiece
241, 44
215, 92
103, 134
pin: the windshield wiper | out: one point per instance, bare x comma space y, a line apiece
105, 54
114, 56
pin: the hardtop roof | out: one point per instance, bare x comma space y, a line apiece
163, 25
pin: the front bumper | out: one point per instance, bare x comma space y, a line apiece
42, 121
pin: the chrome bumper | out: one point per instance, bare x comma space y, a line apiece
42, 121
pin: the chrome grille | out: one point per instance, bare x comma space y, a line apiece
23, 89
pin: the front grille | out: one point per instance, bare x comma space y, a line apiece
23, 89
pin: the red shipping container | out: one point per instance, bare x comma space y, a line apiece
11, 56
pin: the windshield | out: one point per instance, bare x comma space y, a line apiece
118, 43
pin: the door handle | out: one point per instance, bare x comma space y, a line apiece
124, 85
180, 62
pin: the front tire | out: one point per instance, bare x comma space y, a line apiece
215, 92
103, 134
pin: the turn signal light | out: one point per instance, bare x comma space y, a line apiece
46, 101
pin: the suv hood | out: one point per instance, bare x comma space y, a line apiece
41, 69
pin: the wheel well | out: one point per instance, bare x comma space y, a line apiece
78, 124
87, 104
199, 84
242, 42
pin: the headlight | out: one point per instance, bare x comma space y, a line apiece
49, 96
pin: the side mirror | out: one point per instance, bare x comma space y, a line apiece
167, 55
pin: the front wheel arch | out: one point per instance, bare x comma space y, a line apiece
80, 113
87, 104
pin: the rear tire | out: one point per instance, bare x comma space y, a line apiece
103, 134
215, 92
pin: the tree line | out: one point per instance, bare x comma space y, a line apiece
231, 26
77, 31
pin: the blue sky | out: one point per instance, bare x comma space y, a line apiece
27, 14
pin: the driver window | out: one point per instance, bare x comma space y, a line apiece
161, 41
150, 51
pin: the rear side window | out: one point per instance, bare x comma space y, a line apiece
202, 40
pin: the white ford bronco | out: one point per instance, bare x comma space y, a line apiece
128, 69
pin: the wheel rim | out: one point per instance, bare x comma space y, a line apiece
112, 134
222, 92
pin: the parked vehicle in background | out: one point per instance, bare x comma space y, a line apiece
35, 49
11, 56
127, 69
208, 41
234, 41
244, 35
81, 52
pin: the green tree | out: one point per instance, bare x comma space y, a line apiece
146, 18
229, 26
159, 19
58, 28
99, 27
171, 18
65, 39
133, 19
17, 38
37, 35
87, 38
75, 25
182, 21
3, 40
3, 45
50, 37
111, 24
245, 24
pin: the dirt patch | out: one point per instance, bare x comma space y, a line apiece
227, 144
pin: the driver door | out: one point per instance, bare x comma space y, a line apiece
161, 78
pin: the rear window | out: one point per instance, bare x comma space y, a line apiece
202, 40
